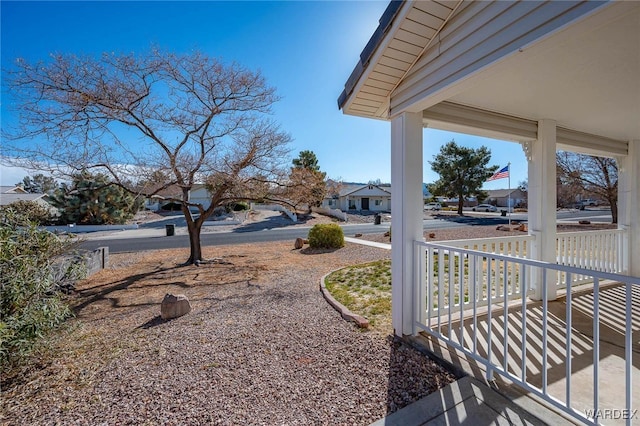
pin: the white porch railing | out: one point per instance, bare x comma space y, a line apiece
445, 289
463, 297
593, 250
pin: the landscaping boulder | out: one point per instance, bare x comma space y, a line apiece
174, 306
299, 243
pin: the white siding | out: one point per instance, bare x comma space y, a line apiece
478, 34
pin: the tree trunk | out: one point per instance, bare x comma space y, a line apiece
614, 211
460, 205
194, 228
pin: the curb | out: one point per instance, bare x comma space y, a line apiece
346, 314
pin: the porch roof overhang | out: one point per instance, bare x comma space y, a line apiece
495, 68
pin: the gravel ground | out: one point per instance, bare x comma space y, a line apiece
260, 346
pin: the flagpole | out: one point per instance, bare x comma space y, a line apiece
509, 194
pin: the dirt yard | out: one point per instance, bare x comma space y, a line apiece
260, 346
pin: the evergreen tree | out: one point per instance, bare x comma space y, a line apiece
307, 182
92, 199
462, 172
38, 184
306, 160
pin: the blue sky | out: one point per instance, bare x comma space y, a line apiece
305, 49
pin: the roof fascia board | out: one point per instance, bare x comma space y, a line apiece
395, 13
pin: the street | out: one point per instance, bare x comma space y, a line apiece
262, 232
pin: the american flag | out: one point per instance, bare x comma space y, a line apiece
500, 174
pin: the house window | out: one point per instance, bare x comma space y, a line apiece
377, 202
352, 204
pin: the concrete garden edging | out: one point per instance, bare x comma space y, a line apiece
346, 314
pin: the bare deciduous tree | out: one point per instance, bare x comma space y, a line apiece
150, 122
590, 174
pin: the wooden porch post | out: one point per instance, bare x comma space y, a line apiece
629, 208
406, 215
542, 205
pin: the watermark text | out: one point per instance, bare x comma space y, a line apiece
612, 414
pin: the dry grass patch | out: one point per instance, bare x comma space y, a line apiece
366, 290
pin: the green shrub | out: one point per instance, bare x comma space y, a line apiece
328, 235
32, 211
33, 264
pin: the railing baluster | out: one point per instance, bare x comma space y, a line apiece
452, 284
512, 273
440, 287
462, 287
474, 288
523, 290
430, 297
421, 296
545, 325
489, 318
568, 342
596, 343
628, 353
506, 317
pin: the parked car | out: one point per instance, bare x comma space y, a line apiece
432, 206
590, 202
484, 208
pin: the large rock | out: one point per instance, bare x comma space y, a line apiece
299, 243
174, 306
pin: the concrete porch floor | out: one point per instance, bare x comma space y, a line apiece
611, 358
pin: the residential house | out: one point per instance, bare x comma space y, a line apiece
360, 197
506, 197
549, 75
12, 194
198, 194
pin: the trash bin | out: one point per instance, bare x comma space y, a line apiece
171, 229
377, 219
503, 212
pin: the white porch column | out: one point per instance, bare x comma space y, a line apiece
542, 204
629, 208
406, 214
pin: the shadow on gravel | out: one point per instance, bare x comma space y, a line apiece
99, 293
153, 322
309, 250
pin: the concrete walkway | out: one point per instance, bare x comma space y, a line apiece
466, 401
367, 243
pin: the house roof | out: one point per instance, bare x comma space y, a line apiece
500, 193
354, 189
6, 199
12, 190
174, 191
497, 68
402, 36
